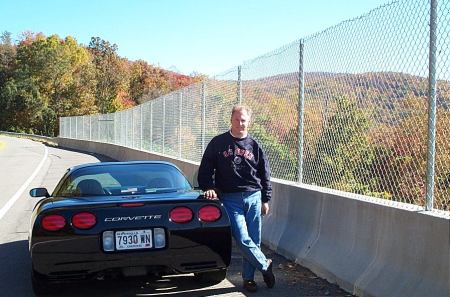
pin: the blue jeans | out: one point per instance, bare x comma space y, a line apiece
244, 210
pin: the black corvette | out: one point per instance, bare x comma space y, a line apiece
126, 219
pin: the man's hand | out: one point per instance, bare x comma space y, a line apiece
210, 194
264, 208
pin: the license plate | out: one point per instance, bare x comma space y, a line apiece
134, 239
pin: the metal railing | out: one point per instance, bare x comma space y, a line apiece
361, 107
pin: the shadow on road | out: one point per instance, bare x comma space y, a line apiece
292, 280
180, 285
15, 269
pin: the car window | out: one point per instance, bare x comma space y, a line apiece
122, 179
89, 185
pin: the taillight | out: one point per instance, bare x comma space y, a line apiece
84, 220
209, 213
181, 214
53, 222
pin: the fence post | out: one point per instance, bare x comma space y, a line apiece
114, 127
120, 128
141, 120
123, 128
180, 106
203, 115
60, 127
82, 128
69, 135
151, 125
164, 125
126, 126
239, 86
99, 122
431, 108
301, 109
132, 129
76, 127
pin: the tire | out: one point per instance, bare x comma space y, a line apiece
40, 285
211, 277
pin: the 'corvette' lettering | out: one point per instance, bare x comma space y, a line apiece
135, 218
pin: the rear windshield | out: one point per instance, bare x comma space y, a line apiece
122, 179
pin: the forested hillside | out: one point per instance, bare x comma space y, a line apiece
43, 78
363, 133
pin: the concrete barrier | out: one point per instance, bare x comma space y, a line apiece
41, 138
122, 153
367, 247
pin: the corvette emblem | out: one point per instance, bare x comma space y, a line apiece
133, 218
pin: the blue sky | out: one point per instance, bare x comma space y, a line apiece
186, 36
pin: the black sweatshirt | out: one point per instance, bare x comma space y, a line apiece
232, 164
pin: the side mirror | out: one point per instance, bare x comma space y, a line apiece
39, 192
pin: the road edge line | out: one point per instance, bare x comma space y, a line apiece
16, 196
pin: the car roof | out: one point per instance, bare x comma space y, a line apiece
99, 164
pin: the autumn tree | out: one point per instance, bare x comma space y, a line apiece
110, 73
401, 154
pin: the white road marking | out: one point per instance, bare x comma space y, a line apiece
16, 196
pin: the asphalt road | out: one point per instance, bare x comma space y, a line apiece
26, 164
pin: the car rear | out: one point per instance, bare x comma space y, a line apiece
130, 237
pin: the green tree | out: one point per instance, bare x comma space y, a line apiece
23, 105
61, 72
7, 62
284, 160
7, 57
343, 153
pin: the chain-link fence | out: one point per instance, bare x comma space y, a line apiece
442, 177
346, 108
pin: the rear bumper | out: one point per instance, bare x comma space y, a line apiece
81, 256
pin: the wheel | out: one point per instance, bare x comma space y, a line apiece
39, 283
211, 277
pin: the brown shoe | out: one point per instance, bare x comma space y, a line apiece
268, 276
250, 286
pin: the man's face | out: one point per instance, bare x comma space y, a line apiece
239, 123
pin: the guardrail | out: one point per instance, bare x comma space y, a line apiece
41, 138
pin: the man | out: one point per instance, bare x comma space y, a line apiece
235, 170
